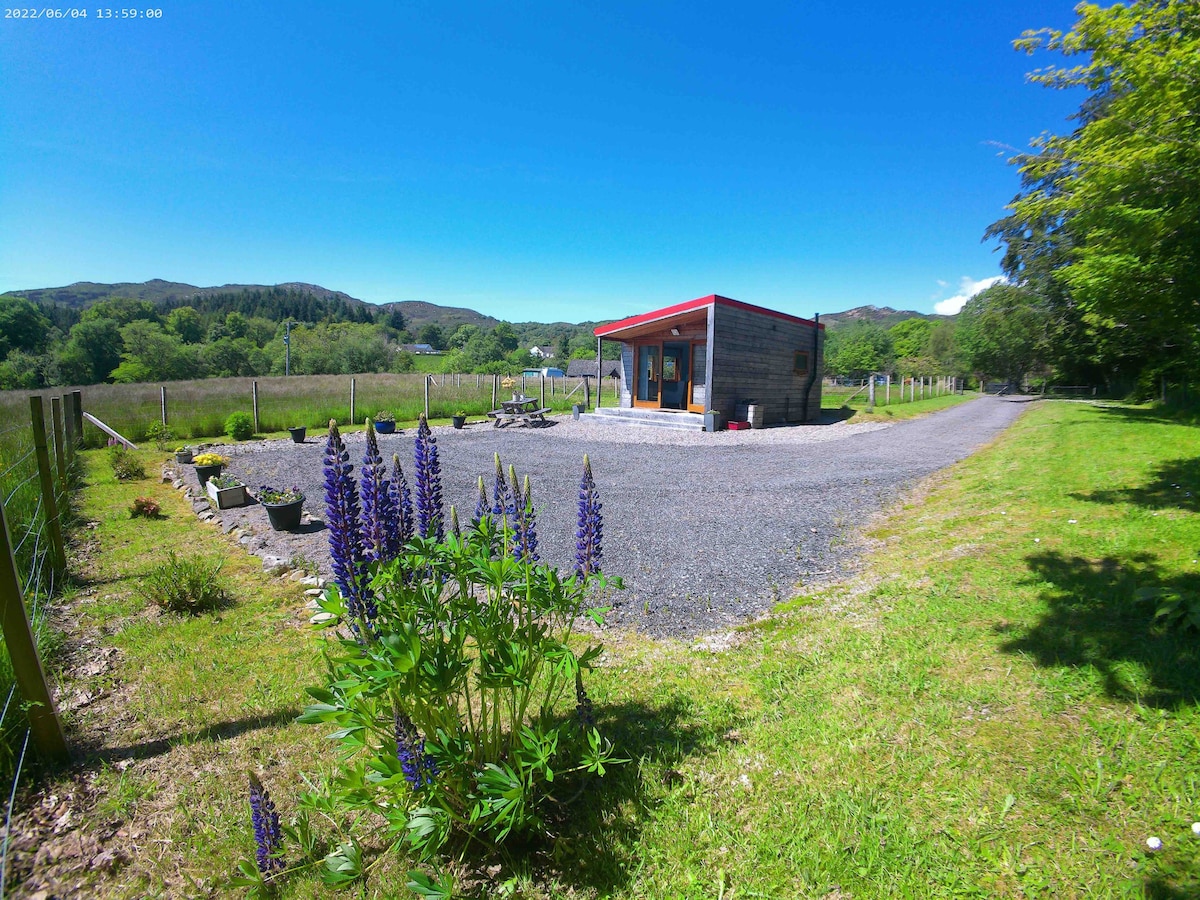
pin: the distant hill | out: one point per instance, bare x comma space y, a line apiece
82, 294
877, 315
417, 314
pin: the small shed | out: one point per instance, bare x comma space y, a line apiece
714, 353
578, 368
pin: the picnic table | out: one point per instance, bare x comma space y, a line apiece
523, 410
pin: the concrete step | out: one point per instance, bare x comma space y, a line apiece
646, 418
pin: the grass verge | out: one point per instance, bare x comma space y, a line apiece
985, 712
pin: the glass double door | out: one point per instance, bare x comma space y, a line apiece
670, 374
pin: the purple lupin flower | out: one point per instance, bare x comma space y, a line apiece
481, 505
345, 534
267, 833
525, 540
418, 766
380, 516
590, 531
430, 519
504, 505
402, 498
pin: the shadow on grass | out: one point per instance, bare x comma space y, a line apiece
221, 731
1161, 414
1094, 622
595, 832
1174, 485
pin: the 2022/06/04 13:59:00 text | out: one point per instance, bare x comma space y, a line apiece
81, 12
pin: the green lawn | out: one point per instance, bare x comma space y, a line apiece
985, 712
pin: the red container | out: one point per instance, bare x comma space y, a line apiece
739, 426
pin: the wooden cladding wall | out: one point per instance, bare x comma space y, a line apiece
753, 360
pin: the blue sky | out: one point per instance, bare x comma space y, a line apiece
545, 162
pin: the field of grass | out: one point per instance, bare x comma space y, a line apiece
986, 711
198, 409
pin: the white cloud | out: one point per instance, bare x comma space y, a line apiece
967, 288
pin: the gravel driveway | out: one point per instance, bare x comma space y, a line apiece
706, 529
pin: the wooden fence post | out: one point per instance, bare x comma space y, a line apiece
77, 414
888, 392
69, 423
543, 403
38, 416
60, 453
495, 388
352, 398
22, 650
162, 402
587, 392
871, 395
427, 377
254, 394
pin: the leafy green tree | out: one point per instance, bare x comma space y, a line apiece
22, 326
92, 351
153, 354
22, 371
432, 335
1107, 225
462, 336
185, 322
1003, 332
856, 350
236, 324
911, 337
122, 310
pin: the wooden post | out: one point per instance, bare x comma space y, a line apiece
912, 389
587, 391
162, 403
69, 423
495, 388
522, 384
51, 506
353, 418
254, 398
543, 403
77, 412
427, 377
18, 638
888, 392
60, 454
871, 395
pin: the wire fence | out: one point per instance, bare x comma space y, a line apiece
40, 572
199, 408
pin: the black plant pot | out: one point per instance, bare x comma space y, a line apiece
385, 427
203, 473
459, 421
298, 434
285, 516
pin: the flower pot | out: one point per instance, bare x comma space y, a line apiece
203, 473
298, 434
459, 421
285, 516
226, 498
183, 457
385, 427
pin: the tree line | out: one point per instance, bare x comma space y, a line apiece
1101, 246
123, 340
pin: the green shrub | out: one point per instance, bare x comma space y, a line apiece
185, 585
125, 465
240, 426
161, 434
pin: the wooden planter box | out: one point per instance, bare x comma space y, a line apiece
226, 498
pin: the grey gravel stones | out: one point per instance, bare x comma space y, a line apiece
706, 530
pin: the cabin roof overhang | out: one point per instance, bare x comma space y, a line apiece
659, 319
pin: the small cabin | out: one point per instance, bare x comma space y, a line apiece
714, 353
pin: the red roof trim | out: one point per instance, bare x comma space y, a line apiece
691, 306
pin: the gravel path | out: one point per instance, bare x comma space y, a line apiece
706, 530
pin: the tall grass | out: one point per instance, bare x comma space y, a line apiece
199, 408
